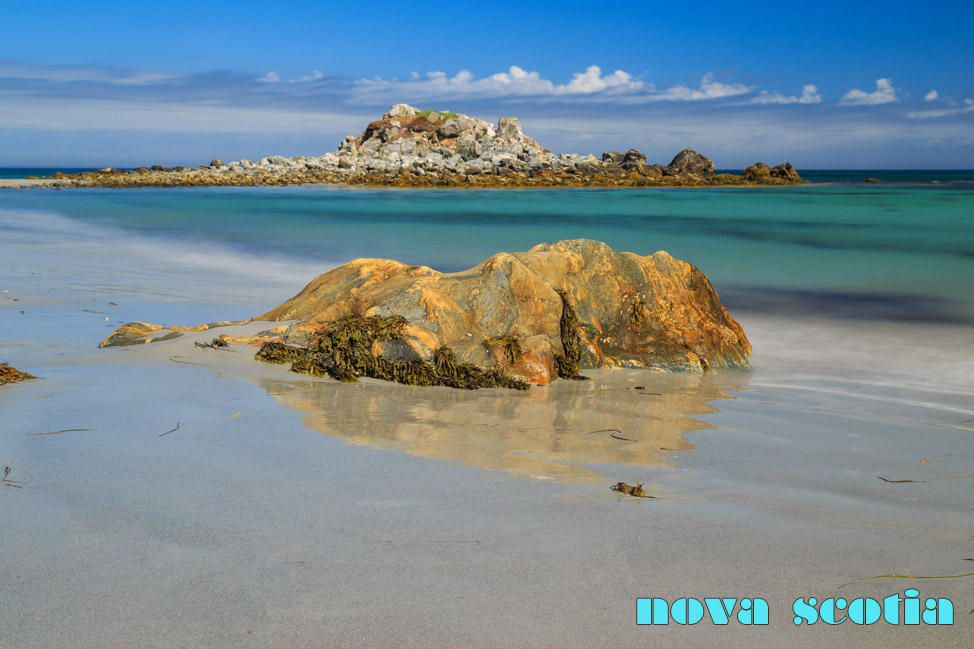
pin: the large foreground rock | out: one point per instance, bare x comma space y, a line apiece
533, 315
616, 309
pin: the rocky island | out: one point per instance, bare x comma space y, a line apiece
513, 320
413, 148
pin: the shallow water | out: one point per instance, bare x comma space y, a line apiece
866, 252
856, 300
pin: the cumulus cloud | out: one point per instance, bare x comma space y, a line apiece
933, 95
591, 84
709, 89
592, 81
885, 93
809, 96
514, 82
270, 77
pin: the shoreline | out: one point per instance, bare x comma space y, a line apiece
376, 514
343, 499
133, 180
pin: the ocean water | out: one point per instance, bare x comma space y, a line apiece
873, 252
883, 267
413, 507
26, 172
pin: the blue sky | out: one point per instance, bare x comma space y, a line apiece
823, 85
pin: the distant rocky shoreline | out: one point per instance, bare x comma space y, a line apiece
413, 148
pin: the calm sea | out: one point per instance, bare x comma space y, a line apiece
898, 251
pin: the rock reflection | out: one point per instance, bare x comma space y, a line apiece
545, 433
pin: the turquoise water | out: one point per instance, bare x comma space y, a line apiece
856, 299
897, 251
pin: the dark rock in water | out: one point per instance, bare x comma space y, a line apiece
756, 171
763, 174
689, 162
785, 172
873, 180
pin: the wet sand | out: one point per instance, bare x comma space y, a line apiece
21, 183
286, 511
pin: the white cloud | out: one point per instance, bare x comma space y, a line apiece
437, 84
967, 107
270, 77
312, 77
885, 93
933, 95
517, 82
809, 96
709, 89
592, 81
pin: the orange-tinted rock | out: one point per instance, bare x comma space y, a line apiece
12, 375
138, 333
653, 312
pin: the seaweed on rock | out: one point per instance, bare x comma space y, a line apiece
511, 346
274, 352
445, 362
571, 341
636, 313
343, 351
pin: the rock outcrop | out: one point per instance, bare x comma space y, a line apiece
529, 316
409, 147
760, 173
12, 375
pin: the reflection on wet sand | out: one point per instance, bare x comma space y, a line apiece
624, 417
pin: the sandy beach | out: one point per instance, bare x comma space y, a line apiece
204, 499
642, 326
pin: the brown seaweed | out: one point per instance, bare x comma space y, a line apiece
636, 491
511, 346
566, 365
274, 352
216, 343
636, 313
343, 351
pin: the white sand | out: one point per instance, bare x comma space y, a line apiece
252, 529
21, 183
